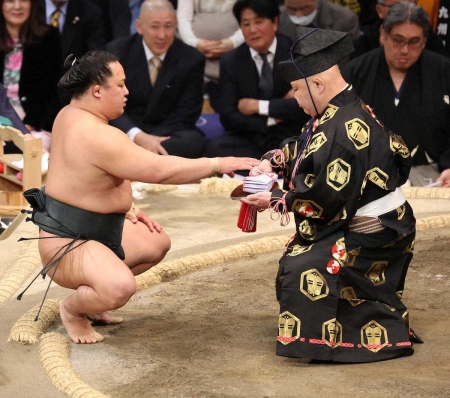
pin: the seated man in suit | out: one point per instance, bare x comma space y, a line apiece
165, 80
257, 107
80, 24
317, 14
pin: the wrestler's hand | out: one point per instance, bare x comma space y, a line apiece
248, 106
151, 143
445, 178
263, 167
144, 218
260, 200
230, 164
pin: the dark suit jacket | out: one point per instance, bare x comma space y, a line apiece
116, 17
239, 78
39, 76
176, 101
329, 16
83, 28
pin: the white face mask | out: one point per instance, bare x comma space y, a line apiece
304, 20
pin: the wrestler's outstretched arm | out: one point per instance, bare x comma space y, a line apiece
119, 156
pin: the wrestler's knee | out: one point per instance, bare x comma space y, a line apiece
156, 250
165, 245
120, 292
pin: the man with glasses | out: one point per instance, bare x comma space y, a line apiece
370, 37
409, 89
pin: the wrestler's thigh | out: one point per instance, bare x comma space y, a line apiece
91, 263
142, 246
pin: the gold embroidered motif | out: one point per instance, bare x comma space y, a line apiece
410, 248
398, 146
288, 328
378, 177
328, 114
306, 230
348, 293
358, 132
342, 215
401, 211
289, 155
338, 174
332, 333
309, 180
376, 272
351, 257
313, 285
374, 336
316, 142
405, 318
307, 208
297, 249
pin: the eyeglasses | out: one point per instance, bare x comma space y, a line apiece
414, 43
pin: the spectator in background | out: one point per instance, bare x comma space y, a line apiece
80, 25
209, 25
30, 65
370, 38
257, 106
135, 8
317, 14
116, 18
161, 115
409, 89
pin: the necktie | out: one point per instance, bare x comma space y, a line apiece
266, 78
55, 16
156, 62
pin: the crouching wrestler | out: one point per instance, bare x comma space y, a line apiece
86, 241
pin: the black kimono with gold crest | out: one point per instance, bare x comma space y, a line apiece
340, 290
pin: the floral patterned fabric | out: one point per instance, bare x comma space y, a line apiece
11, 75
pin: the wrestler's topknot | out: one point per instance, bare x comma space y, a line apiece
92, 68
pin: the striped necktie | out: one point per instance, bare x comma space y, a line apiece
156, 62
55, 18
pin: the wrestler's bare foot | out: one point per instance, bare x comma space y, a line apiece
78, 328
104, 319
